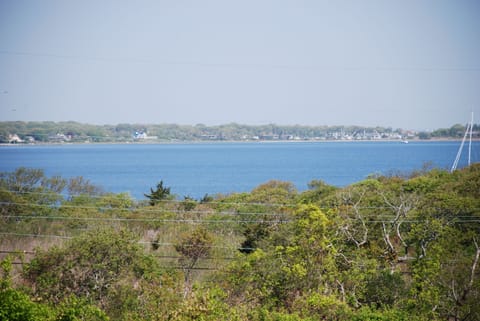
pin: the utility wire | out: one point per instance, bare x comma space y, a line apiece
148, 210
225, 258
235, 64
35, 235
453, 219
166, 244
151, 220
179, 202
219, 221
174, 201
277, 216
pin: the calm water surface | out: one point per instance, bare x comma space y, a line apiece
199, 168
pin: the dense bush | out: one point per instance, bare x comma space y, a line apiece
397, 247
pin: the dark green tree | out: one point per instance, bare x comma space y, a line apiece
158, 195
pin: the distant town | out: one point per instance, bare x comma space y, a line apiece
73, 132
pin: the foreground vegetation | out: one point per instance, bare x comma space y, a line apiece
52, 132
398, 247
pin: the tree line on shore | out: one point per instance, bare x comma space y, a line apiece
38, 132
397, 247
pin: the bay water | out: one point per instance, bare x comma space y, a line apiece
196, 169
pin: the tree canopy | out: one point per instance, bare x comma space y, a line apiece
397, 247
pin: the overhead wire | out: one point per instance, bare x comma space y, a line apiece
179, 201
123, 209
154, 209
216, 216
157, 244
226, 258
150, 220
168, 244
262, 66
452, 219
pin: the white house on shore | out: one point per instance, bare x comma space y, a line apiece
14, 139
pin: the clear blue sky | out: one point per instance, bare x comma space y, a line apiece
411, 64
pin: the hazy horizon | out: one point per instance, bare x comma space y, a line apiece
410, 64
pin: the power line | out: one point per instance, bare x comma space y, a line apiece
151, 220
277, 216
166, 244
148, 210
172, 201
225, 258
175, 201
35, 235
180, 202
17, 252
236, 64
199, 268
454, 219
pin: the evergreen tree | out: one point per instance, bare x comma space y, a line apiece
158, 195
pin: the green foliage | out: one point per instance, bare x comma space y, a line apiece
206, 305
254, 234
424, 135
206, 199
384, 289
300, 259
323, 307
78, 132
161, 193
81, 186
75, 309
89, 266
396, 247
456, 131
371, 314
264, 314
188, 203
22, 179
115, 201
32, 185
193, 246
318, 191
261, 210
250, 279
273, 192
17, 306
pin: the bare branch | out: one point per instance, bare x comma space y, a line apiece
386, 238
400, 236
454, 293
474, 265
364, 226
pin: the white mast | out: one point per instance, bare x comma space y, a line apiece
470, 144
459, 153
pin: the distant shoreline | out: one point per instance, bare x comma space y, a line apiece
159, 142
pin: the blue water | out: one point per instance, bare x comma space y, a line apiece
200, 168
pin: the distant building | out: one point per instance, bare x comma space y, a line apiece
14, 139
141, 135
210, 137
59, 138
269, 137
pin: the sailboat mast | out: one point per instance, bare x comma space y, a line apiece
470, 144
459, 153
